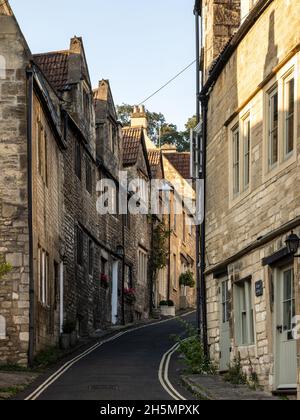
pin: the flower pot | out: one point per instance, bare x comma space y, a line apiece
168, 311
73, 339
65, 341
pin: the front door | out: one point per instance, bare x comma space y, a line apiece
225, 345
114, 293
286, 360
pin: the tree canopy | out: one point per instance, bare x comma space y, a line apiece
159, 130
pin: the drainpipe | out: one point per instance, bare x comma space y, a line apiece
197, 31
30, 221
204, 102
201, 231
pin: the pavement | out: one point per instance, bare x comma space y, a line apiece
215, 388
13, 382
126, 368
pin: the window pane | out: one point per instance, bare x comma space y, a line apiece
247, 133
273, 131
289, 124
236, 161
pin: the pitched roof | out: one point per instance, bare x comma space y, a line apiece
55, 67
181, 162
154, 161
132, 139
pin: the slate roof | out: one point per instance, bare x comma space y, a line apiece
181, 162
55, 67
132, 139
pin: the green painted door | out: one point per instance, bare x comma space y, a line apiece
286, 360
225, 344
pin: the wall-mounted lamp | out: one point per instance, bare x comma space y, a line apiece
120, 251
293, 243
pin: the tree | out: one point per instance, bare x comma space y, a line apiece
169, 133
155, 119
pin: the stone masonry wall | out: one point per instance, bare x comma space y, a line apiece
14, 288
273, 199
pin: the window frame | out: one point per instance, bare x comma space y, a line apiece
241, 127
287, 72
244, 313
79, 246
287, 79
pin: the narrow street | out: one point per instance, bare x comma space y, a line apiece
126, 368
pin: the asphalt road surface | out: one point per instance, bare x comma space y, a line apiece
124, 369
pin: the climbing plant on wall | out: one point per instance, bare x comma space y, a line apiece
5, 268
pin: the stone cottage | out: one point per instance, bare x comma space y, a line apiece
250, 103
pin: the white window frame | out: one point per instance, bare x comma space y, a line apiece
287, 80
239, 188
142, 266
284, 75
43, 277
244, 314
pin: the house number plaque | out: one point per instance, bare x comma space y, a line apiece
259, 288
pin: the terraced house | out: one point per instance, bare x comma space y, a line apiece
75, 267
250, 102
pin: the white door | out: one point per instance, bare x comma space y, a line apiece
225, 344
286, 359
114, 293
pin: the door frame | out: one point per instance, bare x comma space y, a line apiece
278, 271
221, 281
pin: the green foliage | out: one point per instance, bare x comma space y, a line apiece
187, 279
160, 251
69, 327
158, 126
192, 351
11, 367
5, 268
235, 375
155, 120
168, 303
48, 357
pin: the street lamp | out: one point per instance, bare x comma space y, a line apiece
293, 243
120, 251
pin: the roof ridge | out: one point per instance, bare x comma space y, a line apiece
52, 52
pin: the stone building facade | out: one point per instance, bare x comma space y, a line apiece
59, 140
251, 94
14, 228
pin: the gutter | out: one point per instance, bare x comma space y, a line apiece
225, 56
31, 347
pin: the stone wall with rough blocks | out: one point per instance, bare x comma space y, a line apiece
48, 205
273, 199
14, 288
221, 19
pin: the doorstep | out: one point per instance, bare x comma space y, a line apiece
216, 389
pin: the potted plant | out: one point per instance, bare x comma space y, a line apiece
187, 279
69, 337
167, 308
129, 295
104, 281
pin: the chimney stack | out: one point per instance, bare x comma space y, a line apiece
139, 117
221, 21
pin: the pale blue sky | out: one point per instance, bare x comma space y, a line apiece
137, 44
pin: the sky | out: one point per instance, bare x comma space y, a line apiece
137, 44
